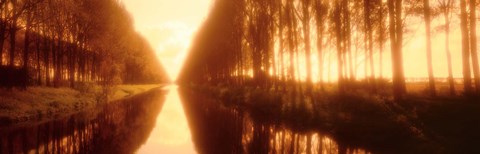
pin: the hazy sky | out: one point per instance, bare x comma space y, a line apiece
169, 26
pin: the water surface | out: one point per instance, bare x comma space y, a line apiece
171, 133
169, 120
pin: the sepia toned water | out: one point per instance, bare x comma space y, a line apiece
165, 120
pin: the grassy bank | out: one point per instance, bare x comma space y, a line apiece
123, 91
44, 103
358, 118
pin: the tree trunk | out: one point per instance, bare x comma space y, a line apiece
58, 61
71, 62
280, 52
369, 39
319, 14
431, 78
370, 55
447, 49
306, 35
381, 38
338, 33
467, 80
348, 41
320, 55
399, 53
473, 45
3, 28
46, 56
37, 45
13, 32
365, 62
396, 36
26, 47
370, 49
55, 63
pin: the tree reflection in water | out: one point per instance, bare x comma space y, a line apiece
219, 129
122, 127
119, 127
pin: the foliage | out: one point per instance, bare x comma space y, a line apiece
276, 44
63, 42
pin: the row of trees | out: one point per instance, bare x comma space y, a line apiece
61, 42
269, 43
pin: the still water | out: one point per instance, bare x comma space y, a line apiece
171, 133
169, 120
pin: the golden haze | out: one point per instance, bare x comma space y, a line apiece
169, 26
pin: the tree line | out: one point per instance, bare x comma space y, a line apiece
269, 43
63, 42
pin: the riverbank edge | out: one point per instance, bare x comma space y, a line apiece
376, 118
38, 104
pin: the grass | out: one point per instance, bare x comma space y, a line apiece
359, 118
123, 91
44, 103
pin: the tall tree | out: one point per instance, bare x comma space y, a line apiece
381, 33
320, 15
339, 37
427, 16
306, 11
473, 45
396, 41
368, 9
13, 31
3, 27
69, 37
467, 80
446, 7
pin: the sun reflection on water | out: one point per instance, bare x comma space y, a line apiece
171, 133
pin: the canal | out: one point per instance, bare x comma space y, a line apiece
168, 120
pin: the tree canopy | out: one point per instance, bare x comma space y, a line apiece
61, 42
279, 44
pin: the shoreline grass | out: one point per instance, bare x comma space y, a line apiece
46, 103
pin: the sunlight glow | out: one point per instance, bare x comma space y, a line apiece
169, 26
171, 133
